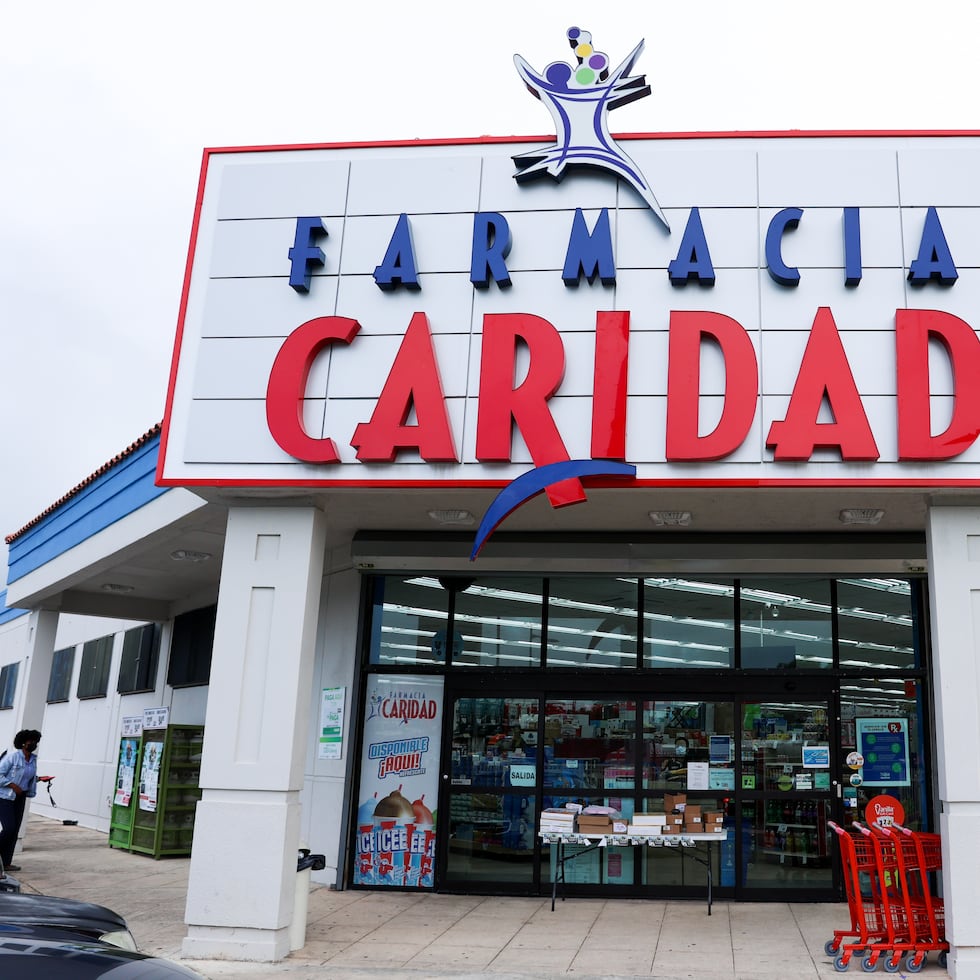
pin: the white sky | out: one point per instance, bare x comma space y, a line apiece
105, 108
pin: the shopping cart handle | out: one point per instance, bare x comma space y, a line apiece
864, 830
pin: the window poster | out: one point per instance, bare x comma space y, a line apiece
150, 775
126, 773
331, 723
884, 743
396, 827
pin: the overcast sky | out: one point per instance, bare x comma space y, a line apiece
106, 108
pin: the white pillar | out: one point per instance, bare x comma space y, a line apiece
954, 589
42, 630
41, 633
246, 834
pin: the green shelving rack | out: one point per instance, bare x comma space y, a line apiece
160, 823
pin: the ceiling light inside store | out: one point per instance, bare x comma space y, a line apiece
117, 587
461, 517
671, 518
861, 515
184, 555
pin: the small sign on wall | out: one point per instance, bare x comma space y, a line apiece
132, 726
332, 723
156, 718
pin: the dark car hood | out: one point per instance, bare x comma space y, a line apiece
24, 958
58, 913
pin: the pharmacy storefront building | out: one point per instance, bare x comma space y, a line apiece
658, 478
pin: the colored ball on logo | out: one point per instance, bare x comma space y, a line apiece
558, 74
598, 62
585, 76
573, 33
583, 50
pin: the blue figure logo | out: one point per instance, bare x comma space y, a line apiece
579, 99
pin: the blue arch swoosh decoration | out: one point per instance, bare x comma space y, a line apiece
533, 482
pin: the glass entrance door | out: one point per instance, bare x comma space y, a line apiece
788, 791
489, 793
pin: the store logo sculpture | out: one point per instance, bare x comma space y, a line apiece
579, 99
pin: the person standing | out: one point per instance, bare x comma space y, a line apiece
18, 783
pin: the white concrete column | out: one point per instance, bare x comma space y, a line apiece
246, 834
42, 631
954, 589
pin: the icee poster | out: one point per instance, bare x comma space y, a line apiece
396, 827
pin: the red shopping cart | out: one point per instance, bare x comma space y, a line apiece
893, 910
919, 856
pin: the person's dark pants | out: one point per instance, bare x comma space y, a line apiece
11, 814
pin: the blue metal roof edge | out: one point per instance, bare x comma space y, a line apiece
8, 615
122, 489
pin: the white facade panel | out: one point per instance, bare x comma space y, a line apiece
827, 174
407, 183
941, 173
448, 311
713, 173
259, 307
870, 308
277, 190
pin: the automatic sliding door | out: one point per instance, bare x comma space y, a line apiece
788, 793
492, 820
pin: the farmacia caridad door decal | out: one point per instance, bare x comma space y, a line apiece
396, 827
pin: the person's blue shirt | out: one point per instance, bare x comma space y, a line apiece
15, 768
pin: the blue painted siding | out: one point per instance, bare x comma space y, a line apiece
6, 615
122, 489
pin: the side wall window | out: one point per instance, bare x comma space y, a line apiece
8, 684
140, 655
93, 678
59, 681
190, 649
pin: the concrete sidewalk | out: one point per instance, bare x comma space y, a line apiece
359, 935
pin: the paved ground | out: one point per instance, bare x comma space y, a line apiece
358, 935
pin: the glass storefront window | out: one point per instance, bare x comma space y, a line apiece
786, 844
409, 622
552, 730
671, 866
606, 865
875, 623
688, 623
882, 747
494, 742
499, 623
786, 746
589, 745
688, 745
786, 623
491, 837
592, 622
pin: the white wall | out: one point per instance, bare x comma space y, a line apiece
81, 737
324, 784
